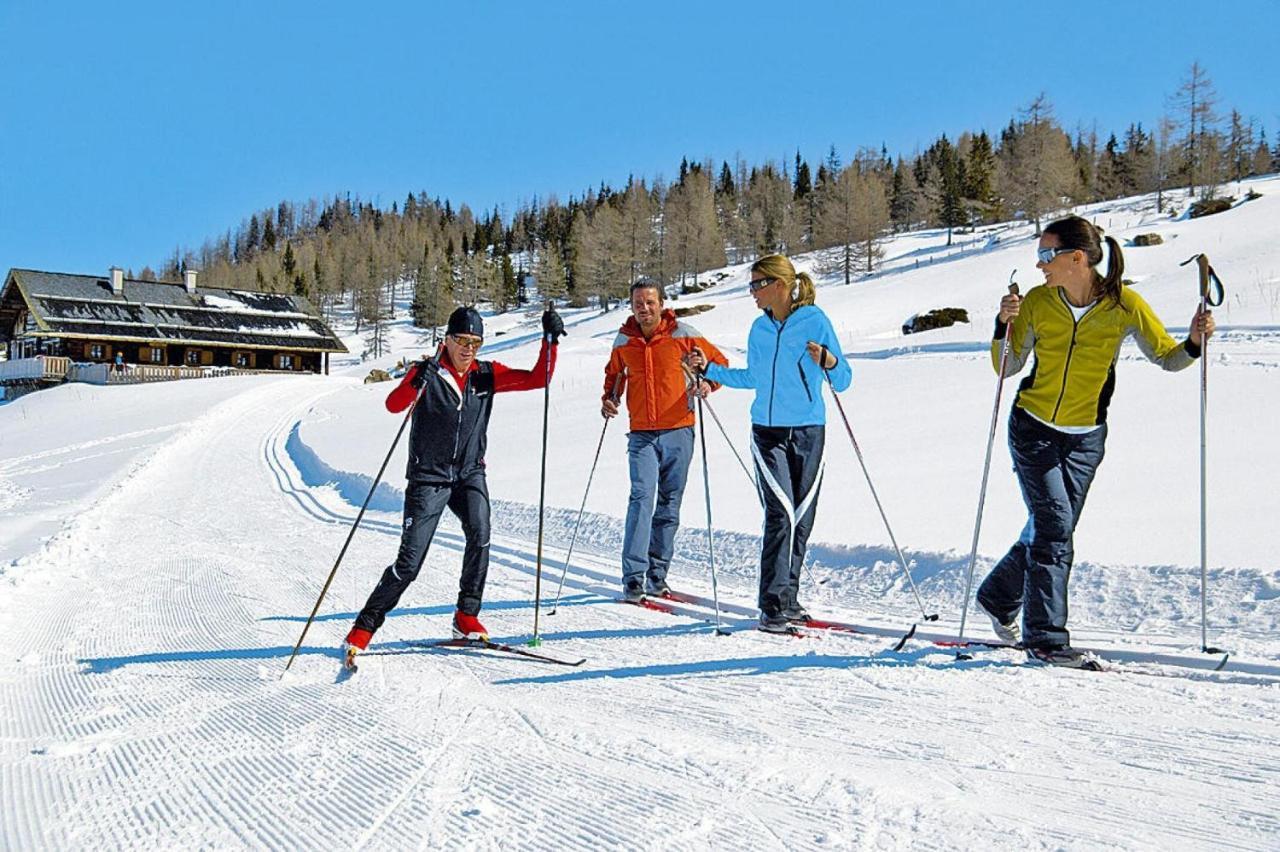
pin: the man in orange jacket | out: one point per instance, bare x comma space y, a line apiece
649, 350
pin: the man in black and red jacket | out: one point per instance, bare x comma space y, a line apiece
454, 392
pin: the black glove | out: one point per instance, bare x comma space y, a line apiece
419, 374
553, 326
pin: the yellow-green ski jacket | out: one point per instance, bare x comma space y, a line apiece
1074, 371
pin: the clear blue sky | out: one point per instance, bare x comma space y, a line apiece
129, 128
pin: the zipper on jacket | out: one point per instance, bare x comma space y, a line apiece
1066, 367
773, 374
457, 432
804, 381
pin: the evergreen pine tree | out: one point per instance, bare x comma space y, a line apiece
1133, 162
289, 263
1109, 178
951, 212
903, 198
254, 236
980, 174
504, 285
804, 184
725, 185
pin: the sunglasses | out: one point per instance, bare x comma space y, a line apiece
472, 343
1046, 255
760, 283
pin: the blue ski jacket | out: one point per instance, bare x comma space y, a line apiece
788, 384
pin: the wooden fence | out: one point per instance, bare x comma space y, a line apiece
132, 374
41, 368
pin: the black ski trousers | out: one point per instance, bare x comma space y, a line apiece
788, 474
424, 502
1055, 470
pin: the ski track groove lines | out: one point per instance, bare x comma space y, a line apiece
515, 554
139, 665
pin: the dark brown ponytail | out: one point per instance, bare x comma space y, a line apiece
1112, 282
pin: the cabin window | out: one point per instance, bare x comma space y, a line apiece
242, 359
157, 355
97, 351
193, 357
286, 362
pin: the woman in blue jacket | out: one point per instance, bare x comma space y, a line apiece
786, 350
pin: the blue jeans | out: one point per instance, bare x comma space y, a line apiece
659, 465
1055, 470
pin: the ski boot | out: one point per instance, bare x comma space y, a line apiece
468, 627
775, 623
657, 588
796, 614
633, 591
1064, 656
357, 640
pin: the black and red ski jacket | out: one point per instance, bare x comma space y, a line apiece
451, 422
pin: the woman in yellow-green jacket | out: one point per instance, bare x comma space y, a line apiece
1073, 324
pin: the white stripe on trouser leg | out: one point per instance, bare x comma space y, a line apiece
803, 508
768, 477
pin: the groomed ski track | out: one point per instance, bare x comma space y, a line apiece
142, 705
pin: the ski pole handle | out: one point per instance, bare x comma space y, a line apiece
1202, 261
1211, 289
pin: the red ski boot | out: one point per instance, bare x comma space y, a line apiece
357, 640
468, 627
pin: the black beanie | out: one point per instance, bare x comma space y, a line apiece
466, 321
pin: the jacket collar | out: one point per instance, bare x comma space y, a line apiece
453, 380
666, 324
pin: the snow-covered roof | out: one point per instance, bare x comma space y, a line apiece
65, 305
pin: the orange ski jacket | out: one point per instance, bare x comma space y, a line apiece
657, 392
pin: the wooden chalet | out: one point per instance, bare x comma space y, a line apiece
92, 319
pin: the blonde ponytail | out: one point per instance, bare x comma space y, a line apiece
799, 285
803, 292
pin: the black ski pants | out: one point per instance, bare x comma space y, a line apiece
788, 475
468, 499
1055, 470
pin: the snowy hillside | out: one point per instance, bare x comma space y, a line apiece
162, 545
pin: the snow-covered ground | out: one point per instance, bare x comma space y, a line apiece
162, 545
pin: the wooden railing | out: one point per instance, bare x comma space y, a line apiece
54, 369
41, 368
132, 374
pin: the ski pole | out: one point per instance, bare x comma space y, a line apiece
754, 484
354, 526
706, 489
986, 469
1208, 278
857, 451
614, 394
732, 448
542, 493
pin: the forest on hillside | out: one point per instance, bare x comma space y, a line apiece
347, 251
